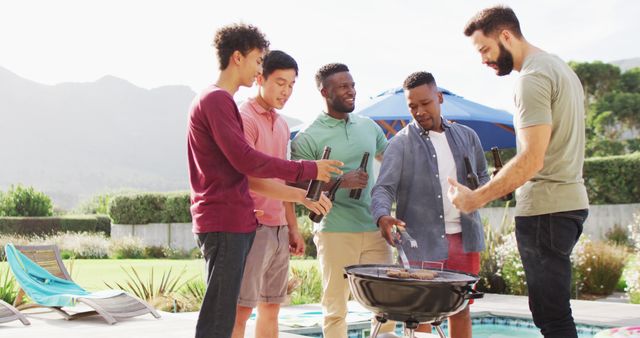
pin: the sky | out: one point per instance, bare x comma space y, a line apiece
158, 43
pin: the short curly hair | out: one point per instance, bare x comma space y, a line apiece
492, 20
327, 70
418, 79
237, 37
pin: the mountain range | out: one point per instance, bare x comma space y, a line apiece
74, 140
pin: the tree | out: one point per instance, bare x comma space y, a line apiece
21, 201
630, 81
597, 79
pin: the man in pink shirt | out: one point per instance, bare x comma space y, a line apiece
220, 159
264, 283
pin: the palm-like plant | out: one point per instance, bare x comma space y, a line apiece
148, 289
8, 287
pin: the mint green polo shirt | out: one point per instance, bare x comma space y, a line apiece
348, 141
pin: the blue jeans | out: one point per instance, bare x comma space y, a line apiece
545, 243
225, 254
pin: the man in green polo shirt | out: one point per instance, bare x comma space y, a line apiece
347, 235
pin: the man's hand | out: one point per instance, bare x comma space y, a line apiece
386, 223
462, 197
258, 212
296, 243
326, 167
321, 207
355, 179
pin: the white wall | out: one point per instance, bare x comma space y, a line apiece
179, 235
601, 217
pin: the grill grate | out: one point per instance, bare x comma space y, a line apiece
380, 272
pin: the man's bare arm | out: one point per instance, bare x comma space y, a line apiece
534, 141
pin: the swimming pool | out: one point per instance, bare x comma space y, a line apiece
483, 327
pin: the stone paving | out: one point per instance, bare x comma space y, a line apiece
50, 325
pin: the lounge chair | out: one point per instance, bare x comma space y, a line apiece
8, 313
42, 276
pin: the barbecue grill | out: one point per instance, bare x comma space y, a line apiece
410, 300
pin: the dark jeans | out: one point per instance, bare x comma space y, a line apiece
225, 254
545, 243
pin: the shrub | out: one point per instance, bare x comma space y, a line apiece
173, 253
25, 201
510, 265
490, 278
634, 232
613, 179
137, 209
306, 230
81, 245
150, 208
154, 251
632, 278
126, 247
71, 245
176, 208
98, 204
195, 253
601, 267
632, 271
618, 235
49, 225
578, 257
310, 289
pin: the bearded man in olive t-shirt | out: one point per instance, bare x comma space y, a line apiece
552, 202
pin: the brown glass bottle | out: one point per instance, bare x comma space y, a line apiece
315, 187
331, 194
472, 178
497, 162
356, 193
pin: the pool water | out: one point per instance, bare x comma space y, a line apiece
483, 327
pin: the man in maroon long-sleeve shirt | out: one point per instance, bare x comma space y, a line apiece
220, 159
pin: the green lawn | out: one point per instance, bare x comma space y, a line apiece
92, 273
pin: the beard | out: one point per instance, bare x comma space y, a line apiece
342, 107
504, 61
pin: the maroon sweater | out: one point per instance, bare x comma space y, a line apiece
220, 160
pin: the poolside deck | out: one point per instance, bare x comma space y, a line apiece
48, 324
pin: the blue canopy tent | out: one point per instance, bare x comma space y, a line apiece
390, 111
493, 126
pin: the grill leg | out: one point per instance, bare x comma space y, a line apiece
411, 326
440, 332
376, 329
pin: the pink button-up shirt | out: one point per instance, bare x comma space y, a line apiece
267, 132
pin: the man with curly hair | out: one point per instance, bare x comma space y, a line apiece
219, 157
552, 202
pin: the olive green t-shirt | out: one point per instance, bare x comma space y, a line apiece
348, 141
549, 92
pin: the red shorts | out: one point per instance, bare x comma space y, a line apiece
458, 260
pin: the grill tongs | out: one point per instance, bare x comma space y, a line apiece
399, 235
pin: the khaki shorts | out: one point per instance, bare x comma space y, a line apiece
266, 271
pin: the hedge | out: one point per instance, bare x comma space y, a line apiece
47, 225
613, 179
609, 180
147, 208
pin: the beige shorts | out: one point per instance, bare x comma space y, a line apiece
266, 271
